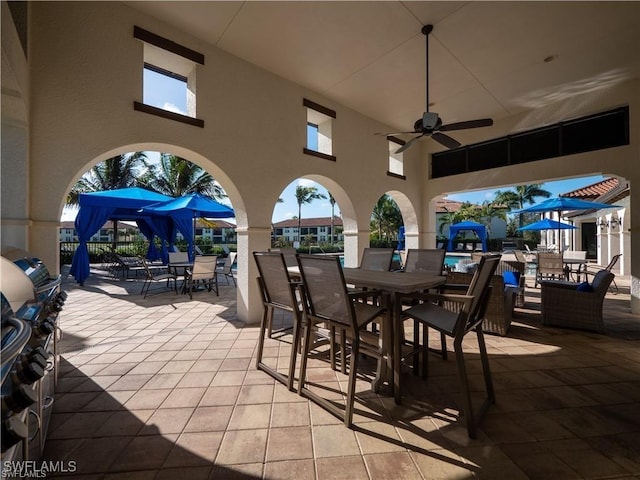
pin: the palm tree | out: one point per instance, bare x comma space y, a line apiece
523, 195
332, 201
386, 217
112, 174
306, 195
175, 176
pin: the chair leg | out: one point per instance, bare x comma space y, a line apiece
343, 351
466, 393
443, 345
486, 369
305, 353
351, 389
295, 344
425, 352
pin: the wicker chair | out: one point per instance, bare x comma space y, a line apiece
499, 313
563, 305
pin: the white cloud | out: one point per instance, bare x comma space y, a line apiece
170, 107
305, 182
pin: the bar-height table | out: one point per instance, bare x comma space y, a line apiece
396, 283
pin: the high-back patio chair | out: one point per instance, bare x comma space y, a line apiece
289, 255
203, 272
377, 259
278, 292
227, 268
154, 276
549, 266
456, 315
429, 260
612, 263
327, 300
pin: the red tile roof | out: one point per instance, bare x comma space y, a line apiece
308, 222
593, 191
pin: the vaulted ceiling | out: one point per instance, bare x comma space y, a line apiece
487, 59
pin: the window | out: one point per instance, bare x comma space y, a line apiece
319, 130
169, 79
396, 166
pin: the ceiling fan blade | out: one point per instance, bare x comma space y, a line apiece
408, 144
445, 140
482, 122
396, 133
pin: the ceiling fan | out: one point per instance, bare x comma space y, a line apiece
431, 124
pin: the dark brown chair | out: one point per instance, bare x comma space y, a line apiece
456, 315
327, 301
377, 259
278, 292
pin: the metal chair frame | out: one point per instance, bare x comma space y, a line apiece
456, 315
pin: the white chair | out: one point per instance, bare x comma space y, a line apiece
227, 268
204, 270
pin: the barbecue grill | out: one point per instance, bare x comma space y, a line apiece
31, 301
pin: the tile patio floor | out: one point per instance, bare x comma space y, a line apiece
166, 388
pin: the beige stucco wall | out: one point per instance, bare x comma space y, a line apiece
85, 71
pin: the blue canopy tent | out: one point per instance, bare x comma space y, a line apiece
184, 210
121, 204
479, 229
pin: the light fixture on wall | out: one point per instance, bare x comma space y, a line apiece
614, 222
602, 222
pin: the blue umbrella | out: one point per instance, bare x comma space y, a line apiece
563, 204
547, 224
188, 207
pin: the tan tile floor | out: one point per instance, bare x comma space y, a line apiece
166, 388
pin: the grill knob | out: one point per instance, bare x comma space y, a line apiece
13, 431
46, 328
29, 370
20, 398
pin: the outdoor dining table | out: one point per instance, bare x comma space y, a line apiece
175, 266
396, 284
569, 263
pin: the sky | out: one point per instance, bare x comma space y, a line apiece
169, 94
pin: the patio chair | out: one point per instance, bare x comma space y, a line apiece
456, 315
153, 276
278, 292
575, 305
377, 259
289, 255
227, 268
327, 301
549, 266
428, 260
612, 263
574, 269
203, 272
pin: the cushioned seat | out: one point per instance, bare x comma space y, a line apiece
566, 305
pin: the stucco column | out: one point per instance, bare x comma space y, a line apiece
249, 304
354, 244
633, 230
44, 243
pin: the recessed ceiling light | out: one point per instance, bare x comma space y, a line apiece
550, 58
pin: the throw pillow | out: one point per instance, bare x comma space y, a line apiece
511, 278
584, 287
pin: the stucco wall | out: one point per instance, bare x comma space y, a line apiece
85, 71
